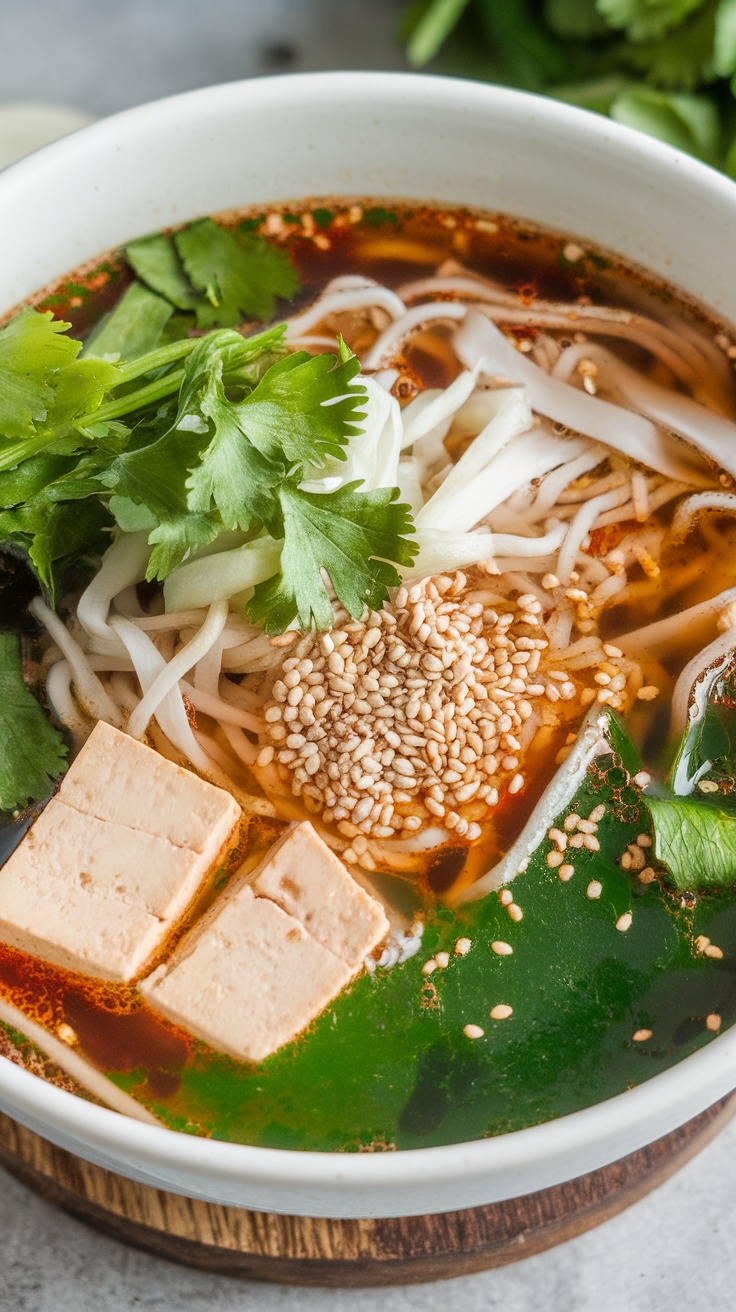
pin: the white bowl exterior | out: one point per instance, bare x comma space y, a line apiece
406, 137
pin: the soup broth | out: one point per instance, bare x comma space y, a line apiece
478, 746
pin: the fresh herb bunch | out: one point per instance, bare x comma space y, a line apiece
188, 437
667, 67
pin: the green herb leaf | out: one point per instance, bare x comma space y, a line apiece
239, 275
688, 122
644, 19
353, 536
133, 328
682, 59
32, 751
305, 409
580, 19
724, 45
33, 349
156, 262
695, 841
174, 539
432, 28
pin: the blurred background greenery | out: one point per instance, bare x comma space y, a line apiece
665, 66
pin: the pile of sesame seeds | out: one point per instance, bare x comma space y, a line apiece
418, 716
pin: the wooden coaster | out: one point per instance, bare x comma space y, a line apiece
307, 1251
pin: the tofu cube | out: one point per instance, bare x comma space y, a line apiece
115, 859
308, 881
272, 951
247, 978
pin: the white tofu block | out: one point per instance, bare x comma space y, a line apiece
99, 882
247, 978
117, 778
308, 881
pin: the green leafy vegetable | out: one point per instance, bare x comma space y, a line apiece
134, 326
224, 276
353, 536
695, 841
32, 751
34, 349
665, 67
305, 409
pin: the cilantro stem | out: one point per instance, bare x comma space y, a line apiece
10, 456
125, 405
163, 355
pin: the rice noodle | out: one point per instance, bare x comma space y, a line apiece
342, 301
636, 437
693, 506
175, 670
580, 527
170, 711
676, 628
403, 327
722, 646
709, 433
123, 564
90, 690
81, 1070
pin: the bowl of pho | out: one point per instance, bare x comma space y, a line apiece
368, 644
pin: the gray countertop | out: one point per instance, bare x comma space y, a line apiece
672, 1251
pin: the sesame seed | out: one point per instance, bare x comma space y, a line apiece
554, 859
473, 1032
571, 822
713, 1022
587, 826
550, 581
702, 942
594, 889
557, 836
713, 951
648, 693
66, 1033
646, 876
429, 966
502, 949
442, 959
515, 912
462, 947
624, 922
517, 783
641, 1036
644, 840
591, 842
505, 897
576, 840
566, 872
707, 786
597, 813
501, 1011
642, 779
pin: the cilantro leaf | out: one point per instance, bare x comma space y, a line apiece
156, 262
644, 19
232, 474
32, 751
173, 540
689, 122
682, 59
305, 408
33, 349
240, 275
133, 328
353, 536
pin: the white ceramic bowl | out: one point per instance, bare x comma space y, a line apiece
414, 138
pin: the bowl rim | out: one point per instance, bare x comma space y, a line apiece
691, 1083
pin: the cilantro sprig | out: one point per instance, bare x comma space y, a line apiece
186, 440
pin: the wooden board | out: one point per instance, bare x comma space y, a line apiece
308, 1251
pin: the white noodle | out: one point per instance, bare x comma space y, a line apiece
123, 564
175, 670
409, 322
580, 528
81, 1070
693, 506
342, 301
722, 646
90, 690
675, 628
218, 709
